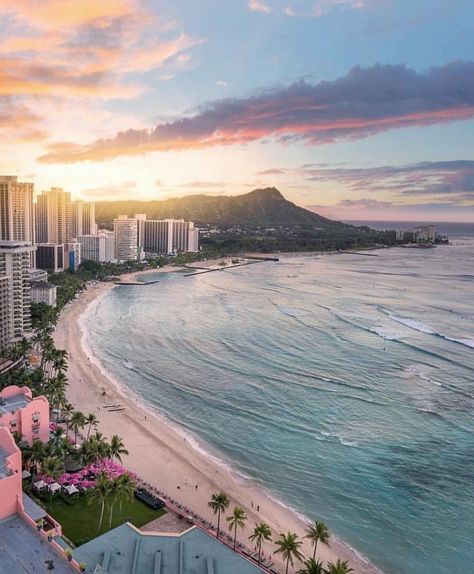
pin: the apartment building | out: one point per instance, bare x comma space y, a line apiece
15, 259
17, 220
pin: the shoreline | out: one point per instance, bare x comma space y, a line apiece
165, 455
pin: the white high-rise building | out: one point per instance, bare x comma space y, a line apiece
83, 218
44, 292
126, 238
17, 220
100, 247
54, 217
15, 259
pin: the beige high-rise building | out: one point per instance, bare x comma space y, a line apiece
17, 220
54, 217
6, 301
15, 266
83, 218
167, 236
126, 238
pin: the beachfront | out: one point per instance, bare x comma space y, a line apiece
161, 455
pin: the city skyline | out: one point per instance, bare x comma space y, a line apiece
357, 109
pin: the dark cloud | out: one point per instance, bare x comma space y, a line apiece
362, 103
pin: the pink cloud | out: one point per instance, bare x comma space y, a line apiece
360, 104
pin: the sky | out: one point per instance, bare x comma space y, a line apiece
357, 109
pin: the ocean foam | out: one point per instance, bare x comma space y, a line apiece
412, 324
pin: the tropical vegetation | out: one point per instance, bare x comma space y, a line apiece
289, 547
219, 504
317, 532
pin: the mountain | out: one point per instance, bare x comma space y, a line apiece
261, 207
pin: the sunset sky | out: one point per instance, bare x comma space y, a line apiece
358, 109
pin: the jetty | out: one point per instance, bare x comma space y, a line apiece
357, 253
131, 282
254, 260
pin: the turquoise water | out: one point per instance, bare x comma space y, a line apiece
342, 383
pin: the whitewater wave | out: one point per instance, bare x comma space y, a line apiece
465, 342
422, 328
386, 333
413, 324
291, 312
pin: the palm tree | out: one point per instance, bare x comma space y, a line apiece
58, 442
92, 421
340, 567
55, 391
117, 448
68, 410
34, 456
236, 520
261, 533
77, 422
316, 532
59, 360
52, 468
219, 503
114, 494
289, 548
100, 494
125, 489
312, 566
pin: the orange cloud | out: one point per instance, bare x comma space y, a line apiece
51, 14
83, 48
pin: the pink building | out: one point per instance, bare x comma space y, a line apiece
19, 412
10, 475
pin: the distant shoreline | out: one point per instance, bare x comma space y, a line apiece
176, 460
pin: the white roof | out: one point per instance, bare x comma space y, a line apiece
54, 486
25, 474
71, 489
40, 484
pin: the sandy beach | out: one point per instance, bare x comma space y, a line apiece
161, 455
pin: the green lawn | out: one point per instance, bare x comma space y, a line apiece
81, 520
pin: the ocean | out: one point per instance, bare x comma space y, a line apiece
343, 384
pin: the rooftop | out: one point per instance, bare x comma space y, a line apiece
3, 465
127, 550
23, 550
13, 403
34, 511
42, 285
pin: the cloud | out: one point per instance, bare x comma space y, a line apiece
273, 171
113, 191
365, 102
437, 179
319, 8
222, 83
84, 48
257, 6
364, 203
203, 184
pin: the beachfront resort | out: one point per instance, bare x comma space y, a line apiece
69, 502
